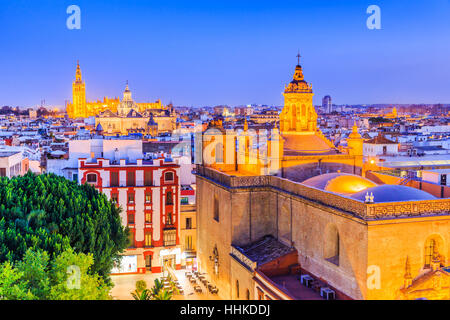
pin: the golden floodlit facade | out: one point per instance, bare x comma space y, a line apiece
305, 208
120, 117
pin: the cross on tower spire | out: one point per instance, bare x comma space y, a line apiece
298, 58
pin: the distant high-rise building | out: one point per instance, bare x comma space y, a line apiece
326, 104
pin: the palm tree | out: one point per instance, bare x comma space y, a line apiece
142, 295
141, 292
163, 295
157, 287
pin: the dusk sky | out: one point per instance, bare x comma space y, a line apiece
199, 53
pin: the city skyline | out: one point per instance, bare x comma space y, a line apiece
225, 54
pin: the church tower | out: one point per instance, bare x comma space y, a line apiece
78, 96
298, 114
355, 142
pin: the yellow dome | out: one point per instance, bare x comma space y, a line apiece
341, 183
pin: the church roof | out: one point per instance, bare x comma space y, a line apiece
107, 114
425, 281
265, 249
306, 144
342, 183
134, 114
393, 193
380, 139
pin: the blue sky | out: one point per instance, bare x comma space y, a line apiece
225, 52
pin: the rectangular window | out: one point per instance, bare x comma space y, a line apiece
148, 239
184, 200
148, 178
131, 218
188, 243
131, 179
131, 240
170, 237
148, 217
169, 220
216, 208
115, 197
148, 197
188, 223
114, 179
2, 172
92, 177
131, 198
169, 198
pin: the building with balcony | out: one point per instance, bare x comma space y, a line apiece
149, 193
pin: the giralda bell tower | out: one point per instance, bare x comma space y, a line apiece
78, 95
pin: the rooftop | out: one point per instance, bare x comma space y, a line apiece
8, 153
265, 250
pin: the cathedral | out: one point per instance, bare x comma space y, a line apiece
296, 150
308, 213
115, 116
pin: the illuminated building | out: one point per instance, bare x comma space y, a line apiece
148, 190
130, 116
261, 220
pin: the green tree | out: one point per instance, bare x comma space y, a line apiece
34, 271
72, 280
12, 286
54, 214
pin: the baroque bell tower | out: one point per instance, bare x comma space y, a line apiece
78, 95
298, 114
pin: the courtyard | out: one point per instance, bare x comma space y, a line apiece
125, 284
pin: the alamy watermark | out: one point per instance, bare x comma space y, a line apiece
374, 20
74, 20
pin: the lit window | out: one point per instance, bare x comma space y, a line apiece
148, 197
131, 240
148, 217
131, 218
148, 239
170, 237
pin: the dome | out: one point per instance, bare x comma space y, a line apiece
342, 183
391, 193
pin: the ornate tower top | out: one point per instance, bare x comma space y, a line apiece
298, 84
78, 73
355, 134
127, 94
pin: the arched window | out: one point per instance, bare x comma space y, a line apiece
237, 289
168, 176
91, 178
332, 246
